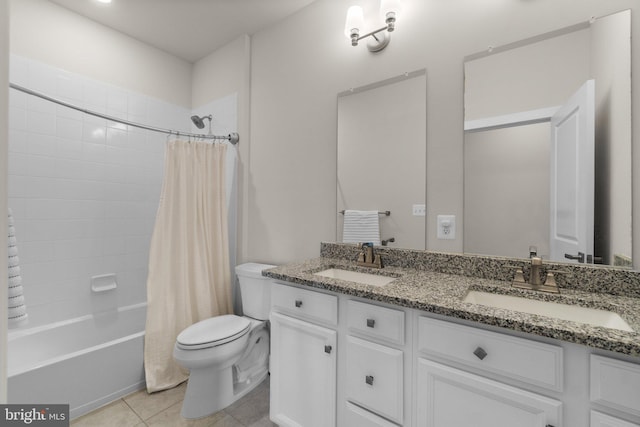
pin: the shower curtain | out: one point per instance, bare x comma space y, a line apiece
189, 272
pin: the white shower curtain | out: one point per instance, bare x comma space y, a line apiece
189, 273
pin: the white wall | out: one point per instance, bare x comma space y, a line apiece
506, 185
4, 134
53, 35
300, 65
224, 72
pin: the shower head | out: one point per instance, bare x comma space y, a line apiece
199, 121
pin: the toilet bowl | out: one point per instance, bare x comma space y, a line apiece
227, 356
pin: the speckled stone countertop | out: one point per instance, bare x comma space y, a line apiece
442, 293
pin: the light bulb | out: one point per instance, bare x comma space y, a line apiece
389, 7
355, 20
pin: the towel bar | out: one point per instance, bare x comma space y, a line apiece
385, 213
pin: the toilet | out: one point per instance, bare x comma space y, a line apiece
227, 356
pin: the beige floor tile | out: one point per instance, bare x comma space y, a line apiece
252, 407
263, 422
147, 405
171, 418
226, 421
114, 414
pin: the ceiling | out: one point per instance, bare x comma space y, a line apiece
188, 29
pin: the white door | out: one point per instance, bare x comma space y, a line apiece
303, 373
449, 397
572, 177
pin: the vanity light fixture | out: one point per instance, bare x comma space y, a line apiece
379, 38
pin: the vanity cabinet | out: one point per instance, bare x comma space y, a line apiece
303, 357
452, 396
342, 361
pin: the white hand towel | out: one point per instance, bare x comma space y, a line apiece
17, 310
361, 227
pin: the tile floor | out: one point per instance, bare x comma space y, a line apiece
162, 409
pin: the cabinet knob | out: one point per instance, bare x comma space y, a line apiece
327, 349
298, 303
371, 323
480, 353
369, 379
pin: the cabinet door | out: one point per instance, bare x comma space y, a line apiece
601, 420
449, 397
303, 373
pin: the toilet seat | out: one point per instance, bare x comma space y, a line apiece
213, 332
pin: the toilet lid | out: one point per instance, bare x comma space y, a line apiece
213, 331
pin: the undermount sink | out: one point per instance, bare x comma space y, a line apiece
574, 313
356, 276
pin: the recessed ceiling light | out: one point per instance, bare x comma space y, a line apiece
104, 1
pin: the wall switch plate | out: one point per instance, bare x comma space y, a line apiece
419, 210
446, 227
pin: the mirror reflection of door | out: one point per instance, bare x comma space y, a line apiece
572, 178
510, 95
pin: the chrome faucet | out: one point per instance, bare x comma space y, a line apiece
535, 283
368, 258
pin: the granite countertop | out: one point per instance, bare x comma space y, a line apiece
442, 293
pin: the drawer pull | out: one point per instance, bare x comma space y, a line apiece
371, 323
327, 349
298, 303
369, 379
480, 353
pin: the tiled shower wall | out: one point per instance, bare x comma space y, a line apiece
84, 191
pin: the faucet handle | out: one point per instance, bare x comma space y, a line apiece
552, 273
519, 276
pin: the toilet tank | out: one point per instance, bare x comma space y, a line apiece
255, 290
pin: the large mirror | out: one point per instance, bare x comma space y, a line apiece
382, 158
547, 150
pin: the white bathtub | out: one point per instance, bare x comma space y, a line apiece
85, 362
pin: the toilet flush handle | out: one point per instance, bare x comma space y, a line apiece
298, 303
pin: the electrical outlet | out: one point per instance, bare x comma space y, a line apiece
419, 210
446, 227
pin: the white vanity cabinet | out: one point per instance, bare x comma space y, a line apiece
342, 361
450, 396
303, 357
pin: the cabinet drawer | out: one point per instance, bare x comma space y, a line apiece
376, 322
517, 358
305, 304
615, 384
355, 416
375, 377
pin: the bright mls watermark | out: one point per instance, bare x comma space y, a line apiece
34, 415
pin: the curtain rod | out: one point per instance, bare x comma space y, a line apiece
232, 137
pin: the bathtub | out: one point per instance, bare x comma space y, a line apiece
85, 362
